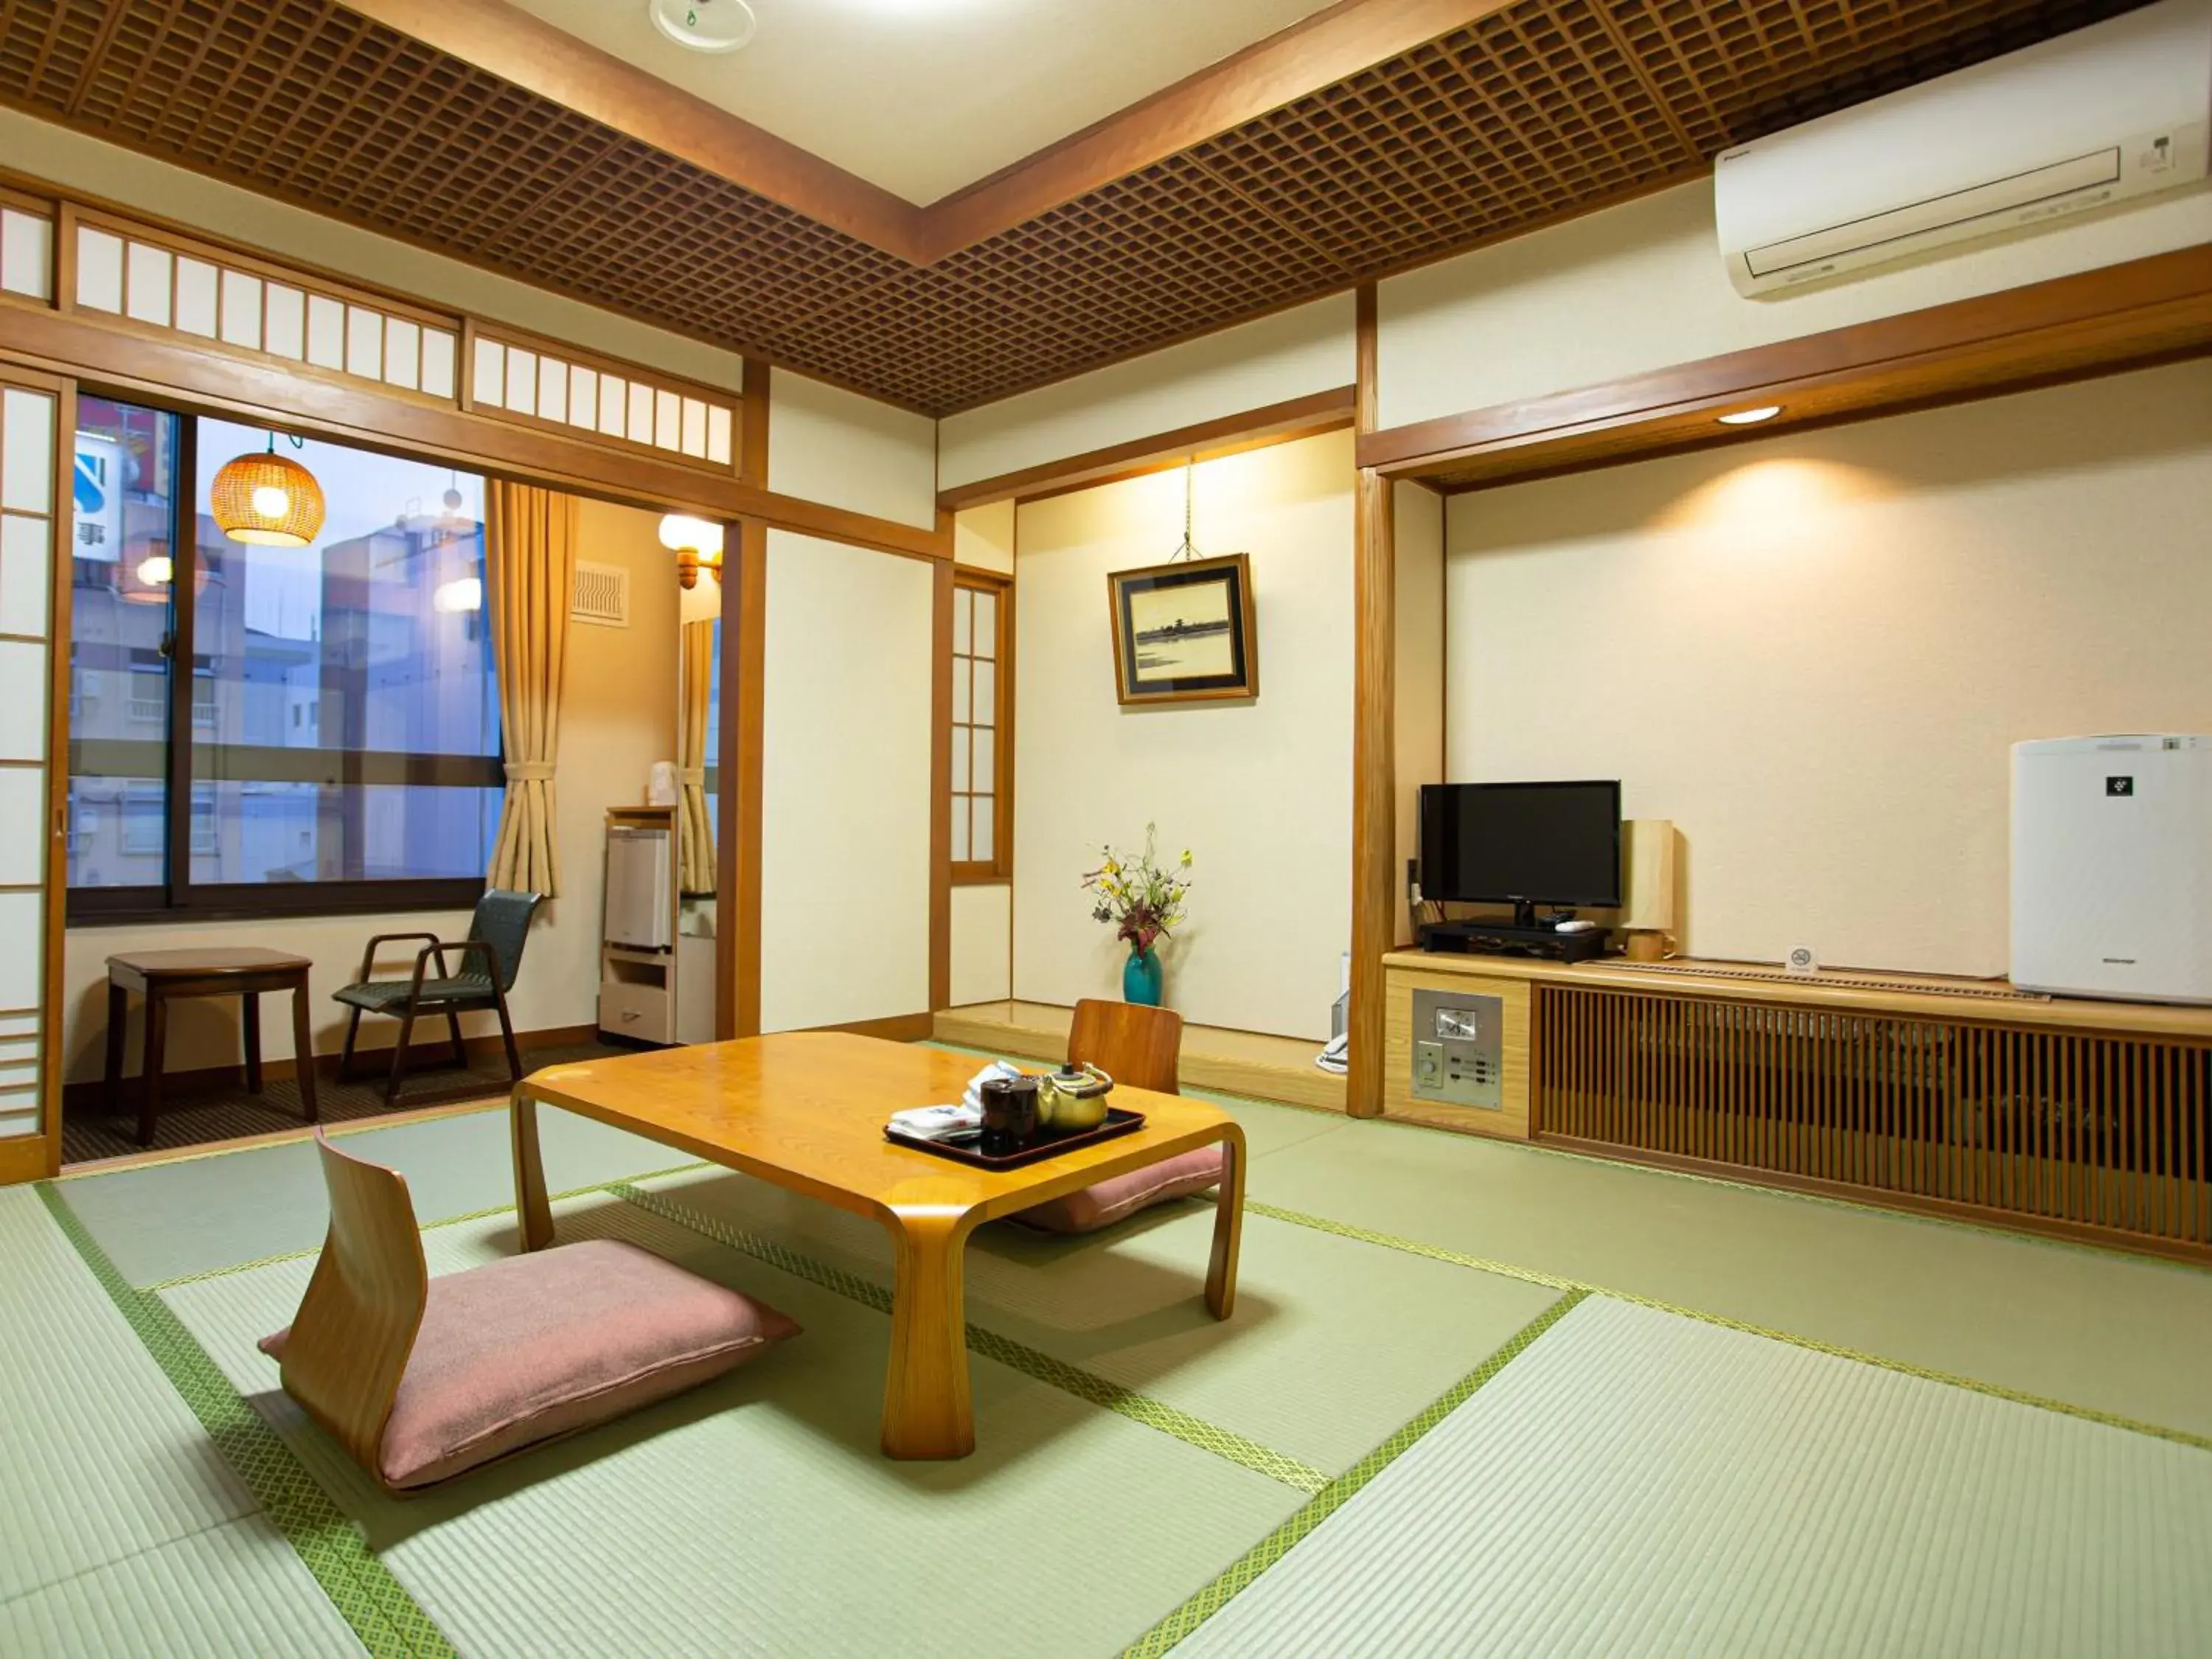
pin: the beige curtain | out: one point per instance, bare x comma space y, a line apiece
697, 830
530, 553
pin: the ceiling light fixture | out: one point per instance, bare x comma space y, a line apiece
269, 501
704, 25
1750, 416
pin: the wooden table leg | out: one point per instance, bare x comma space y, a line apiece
303, 1052
157, 1033
118, 1013
252, 1024
927, 1413
533, 1211
1228, 1230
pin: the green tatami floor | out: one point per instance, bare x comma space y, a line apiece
1476, 1399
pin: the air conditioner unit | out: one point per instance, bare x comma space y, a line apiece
2117, 110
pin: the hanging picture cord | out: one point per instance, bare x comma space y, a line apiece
1188, 549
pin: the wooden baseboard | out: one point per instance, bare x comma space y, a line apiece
430, 1042
895, 1028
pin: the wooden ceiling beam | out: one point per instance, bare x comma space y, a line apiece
1348, 36
2146, 311
1329, 46
540, 58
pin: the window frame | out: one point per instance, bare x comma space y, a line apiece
1000, 867
180, 898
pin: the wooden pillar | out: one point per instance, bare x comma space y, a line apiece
742, 738
941, 776
1374, 746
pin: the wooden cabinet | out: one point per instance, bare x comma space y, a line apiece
2091, 1120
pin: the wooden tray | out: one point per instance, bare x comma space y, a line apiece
966, 1147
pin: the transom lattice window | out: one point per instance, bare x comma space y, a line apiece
981, 695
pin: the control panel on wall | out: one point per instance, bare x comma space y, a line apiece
1458, 1047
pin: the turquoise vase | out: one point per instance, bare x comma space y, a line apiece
1141, 978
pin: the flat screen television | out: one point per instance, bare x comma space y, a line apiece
1522, 844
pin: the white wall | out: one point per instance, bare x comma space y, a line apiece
1814, 653
983, 537
843, 450
617, 717
1640, 287
1259, 792
982, 942
1418, 669
846, 785
1290, 355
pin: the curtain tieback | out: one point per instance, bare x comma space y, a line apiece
530, 771
693, 776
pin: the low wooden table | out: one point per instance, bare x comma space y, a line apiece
160, 976
805, 1111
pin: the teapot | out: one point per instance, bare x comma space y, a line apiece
1073, 1098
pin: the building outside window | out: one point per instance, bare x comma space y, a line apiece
340, 744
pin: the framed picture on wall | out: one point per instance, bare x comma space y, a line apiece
1184, 633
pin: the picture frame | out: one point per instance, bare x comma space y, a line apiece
1185, 632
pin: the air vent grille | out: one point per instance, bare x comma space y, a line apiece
601, 595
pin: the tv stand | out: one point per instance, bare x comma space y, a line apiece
1518, 938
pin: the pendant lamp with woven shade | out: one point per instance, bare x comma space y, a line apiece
269, 499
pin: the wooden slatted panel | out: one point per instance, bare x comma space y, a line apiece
2108, 1134
1538, 110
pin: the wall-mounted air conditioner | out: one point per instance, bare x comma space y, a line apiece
2119, 109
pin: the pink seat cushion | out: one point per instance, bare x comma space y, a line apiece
1107, 1201
545, 1345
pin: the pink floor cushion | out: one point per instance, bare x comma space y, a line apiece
545, 1345
1108, 1201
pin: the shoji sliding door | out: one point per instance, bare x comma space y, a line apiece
34, 510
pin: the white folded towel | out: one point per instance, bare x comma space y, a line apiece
936, 1122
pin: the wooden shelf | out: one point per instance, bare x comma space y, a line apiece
1926, 994
1234, 1062
2124, 316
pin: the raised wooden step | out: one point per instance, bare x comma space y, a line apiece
1234, 1062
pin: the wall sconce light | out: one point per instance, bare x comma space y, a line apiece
697, 545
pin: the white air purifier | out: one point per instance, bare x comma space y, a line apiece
2112, 867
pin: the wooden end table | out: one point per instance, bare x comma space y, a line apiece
161, 976
805, 1111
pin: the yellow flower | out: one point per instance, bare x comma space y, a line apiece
1186, 857
1112, 868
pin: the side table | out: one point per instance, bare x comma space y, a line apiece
161, 976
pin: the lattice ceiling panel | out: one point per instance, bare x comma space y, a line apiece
1539, 110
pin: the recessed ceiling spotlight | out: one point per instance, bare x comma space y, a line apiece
704, 25
1750, 416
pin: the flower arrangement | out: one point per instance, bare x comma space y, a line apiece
1141, 900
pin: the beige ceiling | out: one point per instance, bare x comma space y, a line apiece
924, 96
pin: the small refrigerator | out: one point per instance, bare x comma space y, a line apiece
638, 910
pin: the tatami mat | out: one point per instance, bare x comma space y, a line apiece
235, 1591
163, 1221
1334, 1343
100, 1459
758, 1515
2120, 1334
1641, 1483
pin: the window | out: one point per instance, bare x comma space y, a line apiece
337, 742
983, 776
